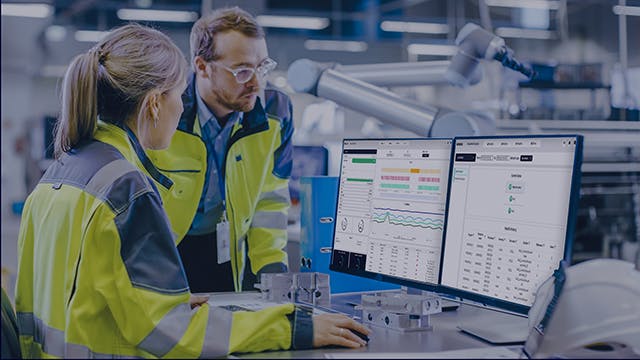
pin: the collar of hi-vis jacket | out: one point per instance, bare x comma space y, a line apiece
125, 138
251, 122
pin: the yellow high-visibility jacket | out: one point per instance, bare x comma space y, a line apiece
99, 274
257, 167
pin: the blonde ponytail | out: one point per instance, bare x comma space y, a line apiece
111, 81
78, 119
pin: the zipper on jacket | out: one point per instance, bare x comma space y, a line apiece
147, 163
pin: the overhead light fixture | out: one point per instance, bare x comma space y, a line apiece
511, 32
626, 10
90, 35
55, 33
432, 49
529, 4
27, 10
414, 27
157, 15
336, 45
293, 22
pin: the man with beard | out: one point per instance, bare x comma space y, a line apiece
239, 230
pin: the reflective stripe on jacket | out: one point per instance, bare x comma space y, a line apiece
99, 274
257, 168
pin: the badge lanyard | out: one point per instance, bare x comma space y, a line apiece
223, 233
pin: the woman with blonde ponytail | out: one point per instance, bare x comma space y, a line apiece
98, 270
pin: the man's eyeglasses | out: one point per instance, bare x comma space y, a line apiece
245, 74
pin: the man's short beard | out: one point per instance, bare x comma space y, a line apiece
241, 107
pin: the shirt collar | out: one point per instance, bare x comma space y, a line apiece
205, 114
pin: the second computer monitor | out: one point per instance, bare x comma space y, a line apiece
510, 217
391, 209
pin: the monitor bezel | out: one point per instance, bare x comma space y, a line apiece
382, 277
574, 199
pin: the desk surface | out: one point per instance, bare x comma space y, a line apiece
444, 336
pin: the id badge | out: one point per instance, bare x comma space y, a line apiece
223, 239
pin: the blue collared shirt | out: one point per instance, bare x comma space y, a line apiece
215, 138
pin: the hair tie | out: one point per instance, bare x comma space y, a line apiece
101, 57
99, 54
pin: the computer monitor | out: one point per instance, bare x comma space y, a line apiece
391, 210
511, 212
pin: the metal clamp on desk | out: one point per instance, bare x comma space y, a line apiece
402, 312
312, 288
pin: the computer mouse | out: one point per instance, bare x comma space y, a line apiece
360, 335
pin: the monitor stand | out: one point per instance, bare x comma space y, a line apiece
497, 328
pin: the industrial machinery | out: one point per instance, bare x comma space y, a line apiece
330, 81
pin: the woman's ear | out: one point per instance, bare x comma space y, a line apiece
153, 105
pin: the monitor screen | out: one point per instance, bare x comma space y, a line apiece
510, 216
391, 209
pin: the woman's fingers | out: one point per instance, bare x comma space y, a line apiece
335, 329
343, 341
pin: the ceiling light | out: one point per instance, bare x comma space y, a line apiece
626, 10
432, 49
414, 27
293, 22
510, 32
157, 15
335, 45
530, 4
27, 10
90, 35
55, 33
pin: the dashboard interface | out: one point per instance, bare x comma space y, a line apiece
391, 208
508, 214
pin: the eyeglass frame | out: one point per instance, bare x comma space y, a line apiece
272, 63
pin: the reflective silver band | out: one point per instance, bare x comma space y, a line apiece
269, 220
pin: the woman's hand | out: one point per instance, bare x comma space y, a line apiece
335, 329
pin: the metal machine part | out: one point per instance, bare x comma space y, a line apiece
404, 74
400, 311
308, 76
475, 43
345, 85
311, 288
594, 302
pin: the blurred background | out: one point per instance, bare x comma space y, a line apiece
587, 53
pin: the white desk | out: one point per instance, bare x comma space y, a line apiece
444, 337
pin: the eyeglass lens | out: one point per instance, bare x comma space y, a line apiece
244, 75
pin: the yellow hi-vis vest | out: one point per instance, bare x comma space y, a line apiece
257, 167
99, 274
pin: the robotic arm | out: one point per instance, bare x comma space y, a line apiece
475, 43
345, 86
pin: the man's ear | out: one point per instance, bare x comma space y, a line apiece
200, 67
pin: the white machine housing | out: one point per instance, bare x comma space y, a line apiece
599, 303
